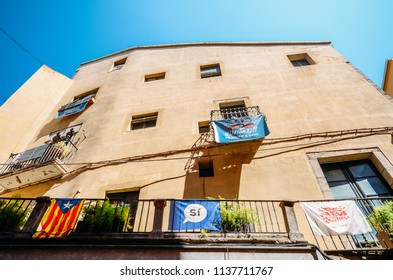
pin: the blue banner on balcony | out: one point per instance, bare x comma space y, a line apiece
75, 106
190, 215
240, 129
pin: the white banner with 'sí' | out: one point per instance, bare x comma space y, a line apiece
335, 217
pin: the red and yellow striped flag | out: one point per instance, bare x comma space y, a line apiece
60, 218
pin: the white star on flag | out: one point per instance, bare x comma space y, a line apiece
68, 205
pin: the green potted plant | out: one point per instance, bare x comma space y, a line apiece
12, 215
105, 217
382, 218
235, 217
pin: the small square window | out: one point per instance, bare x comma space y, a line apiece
299, 60
155, 77
144, 121
212, 70
204, 127
206, 169
117, 65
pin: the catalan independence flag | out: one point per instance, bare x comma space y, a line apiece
60, 218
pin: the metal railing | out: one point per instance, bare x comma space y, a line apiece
14, 212
99, 215
236, 216
62, 150
379, 237
139, 216
234, 113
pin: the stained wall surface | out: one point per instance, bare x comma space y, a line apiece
303, 106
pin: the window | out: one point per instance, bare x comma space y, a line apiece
204, 127
144, 121
126, 197
79, 104
130, 199
212, 70
206, 168
358, 179
118, 64
232, 110
355, 179
155, 77
302, 59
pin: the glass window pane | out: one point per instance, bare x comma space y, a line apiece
372, 186
361, 170
334, 174
342, 190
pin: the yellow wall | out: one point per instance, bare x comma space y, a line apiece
28, 109
328, 96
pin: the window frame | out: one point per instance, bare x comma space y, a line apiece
144, 119
352, 179
118, 64
375, 155
228, 109
299, 59
87, 97
206, 70
155, 77
204, 127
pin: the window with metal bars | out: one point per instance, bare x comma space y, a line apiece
233, 110
144, 121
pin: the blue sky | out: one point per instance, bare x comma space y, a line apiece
64, 34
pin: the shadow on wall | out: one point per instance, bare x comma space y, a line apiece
54, 125
216, 171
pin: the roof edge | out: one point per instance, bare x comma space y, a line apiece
218, 44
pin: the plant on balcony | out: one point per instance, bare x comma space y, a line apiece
235, 217
61, 149
382, 218
105, 217
12, 215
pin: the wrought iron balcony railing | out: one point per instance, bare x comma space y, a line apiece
234, 113
63, 151
381, 235
138, 216
14, 213
257, 218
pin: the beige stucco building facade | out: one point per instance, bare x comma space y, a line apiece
144, 129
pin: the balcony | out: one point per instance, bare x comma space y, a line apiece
379, 238
262, 225
236, 124
36, 165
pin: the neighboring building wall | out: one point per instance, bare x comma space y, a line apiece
388, 77
328, 96
24, 114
